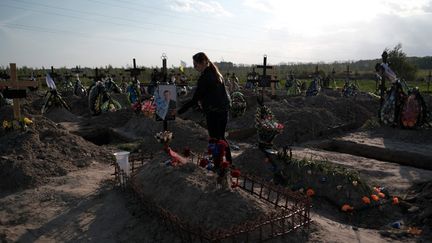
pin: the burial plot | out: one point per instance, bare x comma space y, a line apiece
16, 90
266, 80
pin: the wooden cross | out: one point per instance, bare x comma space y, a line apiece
135, 72
17, 89
429, 80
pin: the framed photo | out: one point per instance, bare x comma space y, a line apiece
166, 102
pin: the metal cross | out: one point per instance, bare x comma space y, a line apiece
135, 72
264, 79
164, 68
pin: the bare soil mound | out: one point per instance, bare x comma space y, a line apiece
190, 192
44, 150
305, 118
61, 115
185, 134
419, 201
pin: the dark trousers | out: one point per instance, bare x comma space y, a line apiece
216, 125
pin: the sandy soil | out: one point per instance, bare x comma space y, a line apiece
81, 204
84, 206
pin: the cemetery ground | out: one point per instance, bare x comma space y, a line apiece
57, 185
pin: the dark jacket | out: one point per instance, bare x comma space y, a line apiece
210, 92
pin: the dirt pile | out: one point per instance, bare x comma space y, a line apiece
419, 201
61, 115
186, 133
306, 118
190, 192
44, 150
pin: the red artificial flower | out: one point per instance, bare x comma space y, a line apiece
203, 162
136, 106
235, 173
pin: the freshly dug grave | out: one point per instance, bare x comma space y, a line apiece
185, 134
46, 149
332, 186
190, 192
304, 118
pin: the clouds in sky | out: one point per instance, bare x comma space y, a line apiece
240, 31
347, 29
201, 6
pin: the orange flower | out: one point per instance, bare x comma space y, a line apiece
375, 197
366, 200
395, 200
347, 208
310, 192
381, 195
414, 231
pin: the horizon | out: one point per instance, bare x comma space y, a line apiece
95, 33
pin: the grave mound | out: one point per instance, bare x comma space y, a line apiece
45, 150
186, 134
190, 192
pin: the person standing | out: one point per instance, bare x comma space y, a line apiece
212, 97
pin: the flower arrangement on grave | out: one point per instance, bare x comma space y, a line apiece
149, 108
23, 123
216, 162
267, 126
338, 184
238, 106
164, 137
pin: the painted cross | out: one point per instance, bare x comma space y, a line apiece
135, 72
16, 90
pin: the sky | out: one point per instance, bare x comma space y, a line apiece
97, 33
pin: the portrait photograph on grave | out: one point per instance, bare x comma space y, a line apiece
166, 102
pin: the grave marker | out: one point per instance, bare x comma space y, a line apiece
17, 91
135, 72
172, 91
266, 80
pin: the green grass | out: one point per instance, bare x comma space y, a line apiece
368, 85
